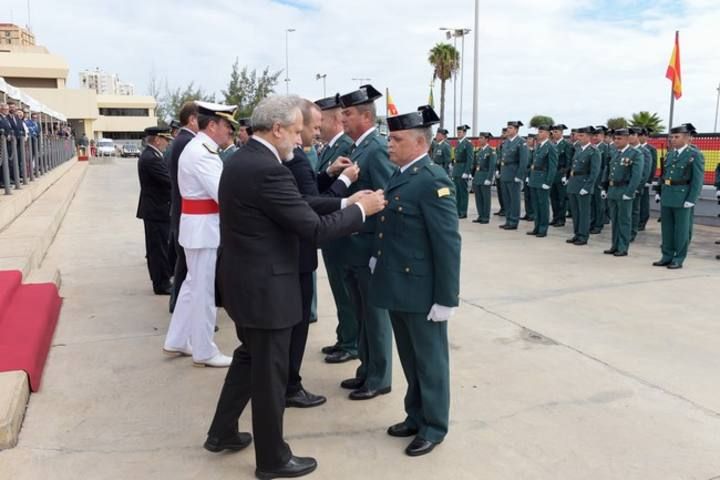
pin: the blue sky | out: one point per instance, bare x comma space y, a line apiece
578, 62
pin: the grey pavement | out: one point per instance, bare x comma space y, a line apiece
566, 364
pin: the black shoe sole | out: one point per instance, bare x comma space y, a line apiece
221, 448
381, 391
334, 361
271, 475
305, 405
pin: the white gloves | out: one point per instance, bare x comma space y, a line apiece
657, 198
603, 194
625, 197
717, 194
564, 181
440, 313
688, 205
518, 180
487, 183
583, 191
527, 179
648, 185
546, 187
497, 174
466, 176
371, 264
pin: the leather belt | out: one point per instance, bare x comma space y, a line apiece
618, 183
676, 182
205, 206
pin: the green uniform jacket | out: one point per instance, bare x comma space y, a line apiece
227, 153
375, 170
653, 162
442, 154
605, 156
544, 165
417, 243
584, 170
485, 163
624, 174
463, 158
565, 153
682, 179
341, 148
514, 159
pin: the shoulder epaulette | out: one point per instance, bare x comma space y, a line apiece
209, 149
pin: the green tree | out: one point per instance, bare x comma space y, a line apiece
651, 121
445, 60
174, 99
538, 120
617, 122
246, 88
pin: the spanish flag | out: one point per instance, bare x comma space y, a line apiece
391, 108
673, 70
431, 98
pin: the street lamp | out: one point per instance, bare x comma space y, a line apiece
361, 80
476, 50
454, 33
287, 60
717, 107
318, 76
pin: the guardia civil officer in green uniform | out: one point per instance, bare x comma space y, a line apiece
680, 187
558, 190
645, 197
527, 192
226, 151
542, 175
498, 155
634, 140
513, 164
485, 162
464, 155
338, 145
620, 183
584, 171
374, 375
442, 153
417, 277
598, 203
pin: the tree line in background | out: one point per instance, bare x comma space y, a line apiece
245, 88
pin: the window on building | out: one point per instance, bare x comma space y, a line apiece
124, 135
125, 112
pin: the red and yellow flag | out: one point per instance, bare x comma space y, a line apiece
391, 108
673, 70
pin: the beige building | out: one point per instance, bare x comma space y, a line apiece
43, 76
15, 35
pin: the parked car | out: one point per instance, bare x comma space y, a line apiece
130, 150
105, 147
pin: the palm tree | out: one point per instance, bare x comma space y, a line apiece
651, 121
445, 60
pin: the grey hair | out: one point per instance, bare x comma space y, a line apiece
280, 109
368, 107
425, 134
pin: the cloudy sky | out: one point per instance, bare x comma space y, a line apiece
580, 62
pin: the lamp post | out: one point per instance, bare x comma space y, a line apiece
318, 76
362, 80
476, 63
717, 107
454, 33
288, 31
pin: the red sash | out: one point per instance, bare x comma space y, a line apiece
205, 206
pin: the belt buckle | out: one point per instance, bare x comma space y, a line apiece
612, 184
572, 174
532, 167
668, 182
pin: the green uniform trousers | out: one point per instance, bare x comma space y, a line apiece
347, 328
598, 207
501, 199
675, 225
541, 207
462, 196
635, 217
580, 210
558, 200
511, 197
528, 194
621, 217
423, 350
375, 333
644, 207
313, 304
483, 202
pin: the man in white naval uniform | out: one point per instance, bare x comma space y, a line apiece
199, 167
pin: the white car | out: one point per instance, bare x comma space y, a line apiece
105, 147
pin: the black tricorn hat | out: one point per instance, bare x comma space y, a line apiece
532, 135
546, 128
601, 129
464, 128
365, 94
621, 132
588, 129
443, 131
175, 124
424, 117
485, 134
635, 130
159, 132
684, 128
515, 123
329, 103
559, 126
244, 122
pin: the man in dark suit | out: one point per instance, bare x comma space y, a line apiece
154, 207
307, 183
188, 129
263, 217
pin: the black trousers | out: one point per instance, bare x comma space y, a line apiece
157, 253
180, 268
259, 372
299, 335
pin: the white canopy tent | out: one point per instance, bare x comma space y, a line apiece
34, 105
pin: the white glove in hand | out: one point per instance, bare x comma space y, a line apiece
648, 185
371, 264
603, 194
546, 187
717, 194
564, 181
625, 197
497, 174
487, 183
518, 180
527, 179
688, 205
440, 313
657, 198
467, 176
583, 191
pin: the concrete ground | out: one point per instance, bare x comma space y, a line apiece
566, 364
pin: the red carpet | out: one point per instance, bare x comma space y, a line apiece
28, 316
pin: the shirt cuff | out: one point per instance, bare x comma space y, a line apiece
362, 210
345, 180
343, 203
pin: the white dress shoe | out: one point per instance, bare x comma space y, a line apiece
178, 352
218, 361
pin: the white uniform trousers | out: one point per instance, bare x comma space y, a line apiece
195, 315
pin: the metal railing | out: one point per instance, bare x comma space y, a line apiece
24, 159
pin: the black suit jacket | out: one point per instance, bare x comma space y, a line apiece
263, 217
5, 125
154, 204
16, 125
177, 146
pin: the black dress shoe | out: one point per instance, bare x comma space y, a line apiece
717, 257
235, 444
595, 231
352, 383
525, 217
304, 399
163, 290
366, 393
484, 221
419, 446
401, 430
661, 263
674, 266
462, 216
477, 220
340, 356
500, 213
511, 227
717, 242
559, 224
580, 242
610, 251
313, 320
541, 235
216, 328
502, 227
532, 232
330, 349
571, 240
620, 254
295, 467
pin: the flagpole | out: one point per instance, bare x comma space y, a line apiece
672, 91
